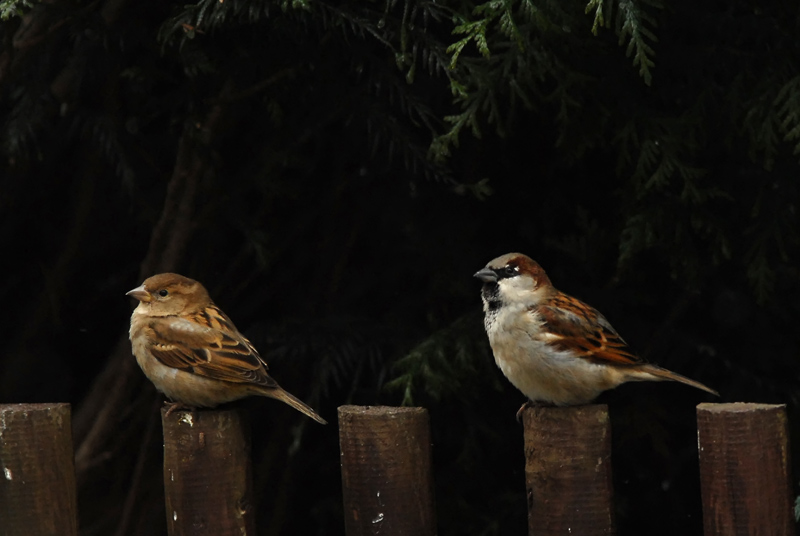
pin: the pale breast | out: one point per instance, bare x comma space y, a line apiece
181, 386
542, 373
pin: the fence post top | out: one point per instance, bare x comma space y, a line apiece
377, 411
738, 407
34, 407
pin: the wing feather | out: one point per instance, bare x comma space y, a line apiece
573, 326
207, 343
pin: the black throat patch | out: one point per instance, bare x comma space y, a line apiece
491, 294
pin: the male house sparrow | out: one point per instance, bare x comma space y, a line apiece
191, 350
551, 346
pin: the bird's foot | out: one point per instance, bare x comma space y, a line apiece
522, 408
172, 406
532, 404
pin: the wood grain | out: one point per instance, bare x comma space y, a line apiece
745, 469
207, 473
386, 471
568, 471
37, 471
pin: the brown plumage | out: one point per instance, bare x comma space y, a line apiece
191, 350
551, 346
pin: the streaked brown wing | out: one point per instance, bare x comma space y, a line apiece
208, 344
576, 327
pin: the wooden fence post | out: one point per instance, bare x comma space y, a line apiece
207, 473
37, 471
386, 471
568, 471
745, 469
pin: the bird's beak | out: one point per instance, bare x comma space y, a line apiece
140, 294
487, 275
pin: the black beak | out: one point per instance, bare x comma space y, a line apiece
487, 275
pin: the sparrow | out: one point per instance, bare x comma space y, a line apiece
191, 350
554, 348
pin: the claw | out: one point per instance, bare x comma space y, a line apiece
522, 408
174, 406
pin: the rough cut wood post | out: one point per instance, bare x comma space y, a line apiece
207, 473
568, 471
386, 471
37, 471
745, 469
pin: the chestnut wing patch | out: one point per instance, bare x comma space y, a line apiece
576, 327
208, 344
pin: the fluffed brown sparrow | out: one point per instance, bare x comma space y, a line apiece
191, 350
553, 347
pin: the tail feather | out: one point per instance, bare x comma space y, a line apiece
664, 374
284, 396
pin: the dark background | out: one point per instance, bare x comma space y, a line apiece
334, 176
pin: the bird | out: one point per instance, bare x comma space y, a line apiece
554, 348
191, 350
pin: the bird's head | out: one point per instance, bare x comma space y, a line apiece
170, 294
513, 278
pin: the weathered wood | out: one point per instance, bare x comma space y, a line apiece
568, 471
37, 471
207, 473
386, 471
745, 469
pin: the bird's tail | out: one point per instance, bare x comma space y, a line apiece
664, 374
284, 396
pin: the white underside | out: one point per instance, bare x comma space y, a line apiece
540, 372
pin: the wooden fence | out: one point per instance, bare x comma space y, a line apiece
386, 471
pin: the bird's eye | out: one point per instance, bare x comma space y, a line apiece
163, 292
511, 270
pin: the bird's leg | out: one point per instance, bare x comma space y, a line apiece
175, 405
532, 404
522, 408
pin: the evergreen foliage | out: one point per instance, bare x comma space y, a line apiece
335, 171
11, 8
